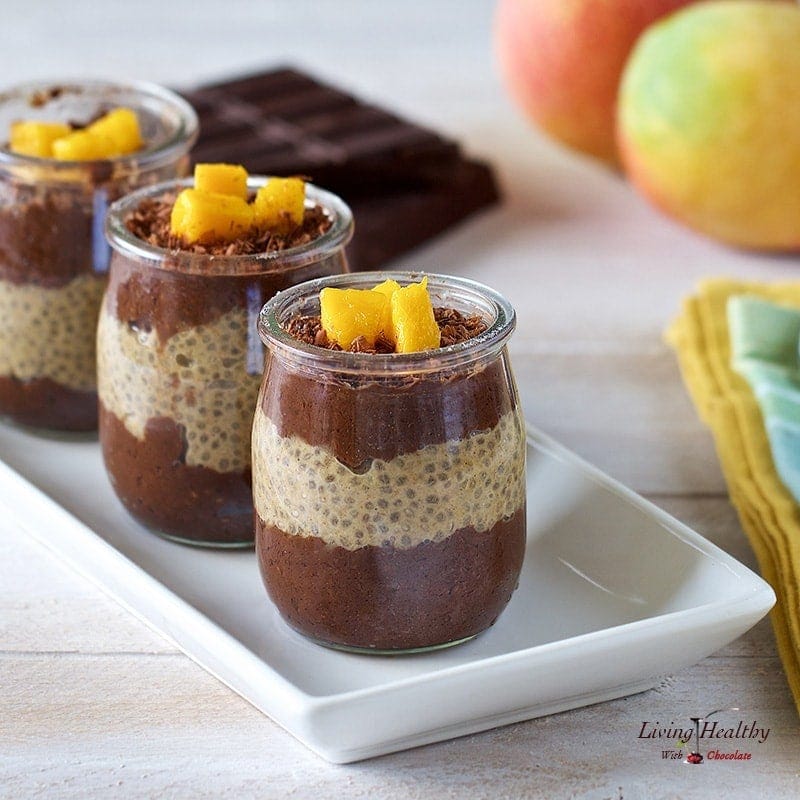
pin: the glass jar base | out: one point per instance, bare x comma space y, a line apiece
205, 545
374, 651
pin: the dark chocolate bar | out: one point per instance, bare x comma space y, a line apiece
405, 183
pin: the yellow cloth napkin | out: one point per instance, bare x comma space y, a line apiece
767, 511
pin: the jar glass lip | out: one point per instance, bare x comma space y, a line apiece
479, 298
175, 145
130, 245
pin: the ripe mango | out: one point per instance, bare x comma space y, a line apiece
413, 321
347, 314
562, 61
206, 217
709, 120
221, 178
36, 138
280, 204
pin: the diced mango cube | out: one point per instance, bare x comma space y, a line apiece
81, 145
414, 324
280, 204
388, 288
207, 217
120, 127
36, 138
222, 179
347, 314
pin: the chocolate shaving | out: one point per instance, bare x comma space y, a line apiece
454, 327
150, 222
44, 96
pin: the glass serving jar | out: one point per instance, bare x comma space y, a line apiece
389, 489
179, 366
53, 255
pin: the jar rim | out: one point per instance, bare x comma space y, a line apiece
484, 345
179, 143
330, 242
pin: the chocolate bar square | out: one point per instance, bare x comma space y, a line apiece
405, 183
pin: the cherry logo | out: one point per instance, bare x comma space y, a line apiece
696, 757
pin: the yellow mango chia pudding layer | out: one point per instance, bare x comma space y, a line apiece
423, 496
61, 317
195, 378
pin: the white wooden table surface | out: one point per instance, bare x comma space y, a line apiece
93, 704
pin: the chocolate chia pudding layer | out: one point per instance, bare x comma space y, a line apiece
179, 366
390, 418
390, 512
151, 477
41, 402
45, 234
385, 598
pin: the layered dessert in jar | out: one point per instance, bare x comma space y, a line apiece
69, 150
389, 461
179, 357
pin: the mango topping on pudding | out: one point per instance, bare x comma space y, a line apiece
36, 138
388, 288
350, 314
114, 134
280, 204
413, 320
400, 316
217, 208
199, 216
228, 179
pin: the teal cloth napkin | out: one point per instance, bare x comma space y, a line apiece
765, 351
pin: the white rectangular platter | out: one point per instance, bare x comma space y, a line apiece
614, 595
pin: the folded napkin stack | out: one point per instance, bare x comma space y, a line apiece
739, 350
